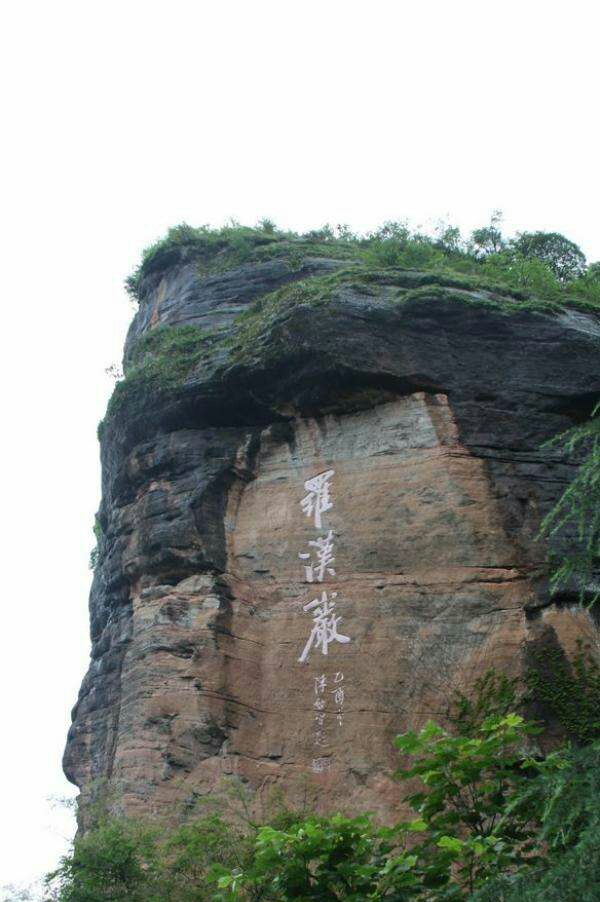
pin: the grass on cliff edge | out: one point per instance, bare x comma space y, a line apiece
505, 264
161, 359
393, 262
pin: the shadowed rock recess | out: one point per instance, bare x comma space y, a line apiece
431, 402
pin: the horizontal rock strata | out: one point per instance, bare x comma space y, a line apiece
432, 412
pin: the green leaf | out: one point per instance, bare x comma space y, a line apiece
451, 843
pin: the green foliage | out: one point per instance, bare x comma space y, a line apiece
528, 274
490, 822
97, 549
184, 243
469, 812
568, 690
449, 239
216, 250
268, 226
196, 855
131, 861
395, 245
492, 695
564, 259
488, 239
567, 799
162, 359
578, 510
116, 862
540, 263
254, 326
320, 858
256, 322
469, 824
587, 286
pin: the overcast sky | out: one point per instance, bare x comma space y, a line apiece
121, 119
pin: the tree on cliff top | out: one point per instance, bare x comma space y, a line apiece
563, 257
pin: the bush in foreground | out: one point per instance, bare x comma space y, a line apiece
490, 822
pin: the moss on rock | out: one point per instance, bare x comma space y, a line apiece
162, 359
566, 691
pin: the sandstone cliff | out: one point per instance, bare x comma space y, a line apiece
422, 402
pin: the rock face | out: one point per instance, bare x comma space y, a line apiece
425, 421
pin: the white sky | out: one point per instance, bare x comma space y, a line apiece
121, 119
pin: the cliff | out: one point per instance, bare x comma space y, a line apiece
322, 485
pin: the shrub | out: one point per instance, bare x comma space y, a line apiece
117, 861
490, 822
531, 275
470, 816
322, 858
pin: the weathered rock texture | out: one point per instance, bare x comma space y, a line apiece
432, 415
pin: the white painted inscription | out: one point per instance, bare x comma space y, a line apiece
325, 625
325, 631
315, 570
318, 499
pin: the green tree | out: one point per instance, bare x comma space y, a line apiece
488, 239
197, 853
471, 820
569, 868
448, 238
492, 695
117, 861
526, 273
470, 817
490, 822
563, 257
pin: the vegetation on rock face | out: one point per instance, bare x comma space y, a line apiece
579, 509
491, 821
535, 271
216, 250
162, 358
391, 284
568, 691
540, 263
97, 549
567, 800
203, 245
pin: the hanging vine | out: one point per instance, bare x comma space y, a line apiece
579, 509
